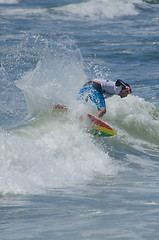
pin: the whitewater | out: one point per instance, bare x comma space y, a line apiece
57, 180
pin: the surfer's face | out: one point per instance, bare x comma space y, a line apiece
124, 93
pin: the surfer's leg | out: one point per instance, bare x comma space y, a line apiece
98, 99
83, 94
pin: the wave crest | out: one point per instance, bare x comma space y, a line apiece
100, 9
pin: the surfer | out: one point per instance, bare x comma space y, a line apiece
99, 89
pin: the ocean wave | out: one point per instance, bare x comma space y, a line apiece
22, 13
39, 158
135, 118
59, 75
9, 1
56, 151
152, 1
100, 9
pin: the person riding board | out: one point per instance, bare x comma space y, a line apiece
98, 89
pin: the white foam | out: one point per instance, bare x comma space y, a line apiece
47, 156
9, 1
135, 117
99, 9
22, 13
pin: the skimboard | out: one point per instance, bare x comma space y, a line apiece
98, 127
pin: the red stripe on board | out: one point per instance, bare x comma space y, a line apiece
60, 107
98, 122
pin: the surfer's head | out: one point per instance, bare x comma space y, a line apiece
125, 88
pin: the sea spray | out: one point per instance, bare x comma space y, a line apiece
56, 78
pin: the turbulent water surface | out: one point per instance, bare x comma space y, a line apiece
57, 181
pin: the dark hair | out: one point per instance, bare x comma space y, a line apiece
119, 82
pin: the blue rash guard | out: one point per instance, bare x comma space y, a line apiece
97, 90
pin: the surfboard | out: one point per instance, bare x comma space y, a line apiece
98, 127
